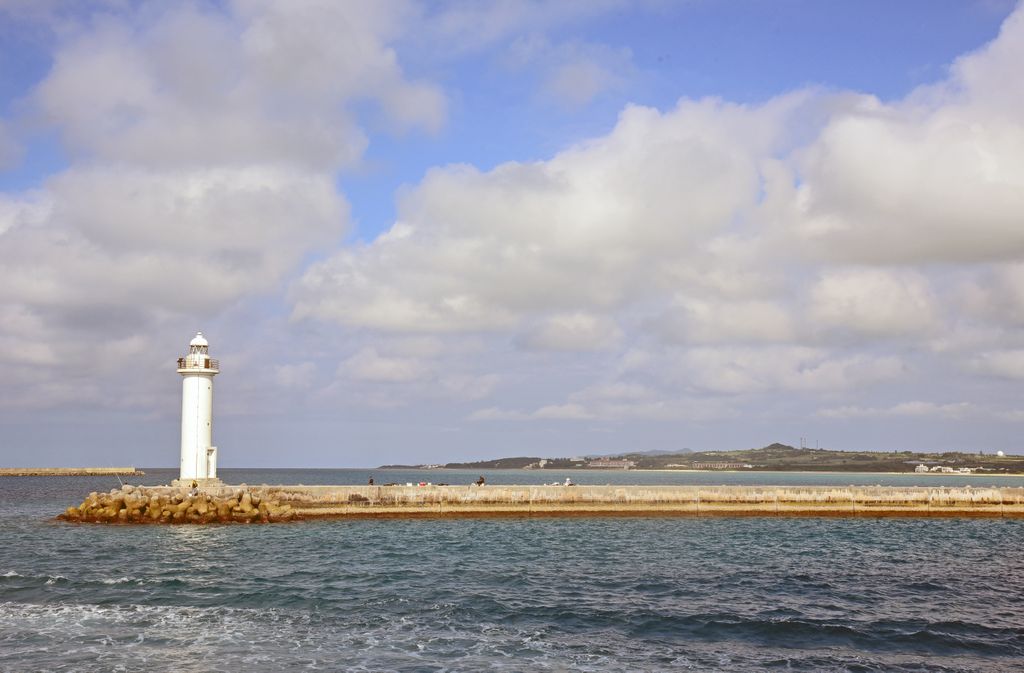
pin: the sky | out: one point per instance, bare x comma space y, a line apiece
419, 232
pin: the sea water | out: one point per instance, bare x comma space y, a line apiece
510, 594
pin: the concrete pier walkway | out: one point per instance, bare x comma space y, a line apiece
253, 504
403, 501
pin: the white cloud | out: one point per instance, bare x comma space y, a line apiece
184, 241
1010, 415
566, 412
573, 72
573, 332
615, 391
469, 26
32, 209
496, 414
368, 365
467, 386
597, 227
625, 400
422, 347
702, 262
1008, 364
938, 176
784, 368
914, 408
263, 83
996, 295
615, 402
298, 375
737, 251
23, 342
202, 144
577, 83
873, 302
702, 321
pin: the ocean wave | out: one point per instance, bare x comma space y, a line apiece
69, 636
87, 581
501, 595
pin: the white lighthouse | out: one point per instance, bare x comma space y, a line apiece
198, 455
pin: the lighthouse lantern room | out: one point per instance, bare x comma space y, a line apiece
198, 455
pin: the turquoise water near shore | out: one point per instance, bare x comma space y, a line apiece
519, 594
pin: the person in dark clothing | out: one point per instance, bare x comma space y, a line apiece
481, 481
370, 482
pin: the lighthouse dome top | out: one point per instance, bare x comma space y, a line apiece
198, 357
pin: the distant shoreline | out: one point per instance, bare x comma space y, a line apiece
911, 472
596, 470
775, 457
132, 471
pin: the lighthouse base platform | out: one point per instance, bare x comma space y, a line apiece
185, 483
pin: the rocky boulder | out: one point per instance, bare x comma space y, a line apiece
167, 504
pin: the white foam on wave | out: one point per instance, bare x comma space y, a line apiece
137, 636
112, 637
53, 579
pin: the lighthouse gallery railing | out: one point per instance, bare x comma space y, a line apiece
192, 363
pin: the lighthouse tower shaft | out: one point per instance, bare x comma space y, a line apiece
198, 455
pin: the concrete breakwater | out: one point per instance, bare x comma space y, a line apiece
400, 501
174, 504
166, 504
70, 472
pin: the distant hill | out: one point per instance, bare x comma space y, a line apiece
497, 463
514, 463
652, 452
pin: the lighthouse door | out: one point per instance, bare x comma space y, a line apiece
211, 462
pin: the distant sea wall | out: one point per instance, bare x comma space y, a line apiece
286, 503
69, 472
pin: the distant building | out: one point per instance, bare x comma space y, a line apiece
720, 466
921, 468
945, 469
610, 463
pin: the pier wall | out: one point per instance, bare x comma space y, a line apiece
330, 501
223, 504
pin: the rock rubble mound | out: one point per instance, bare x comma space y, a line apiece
174, 505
